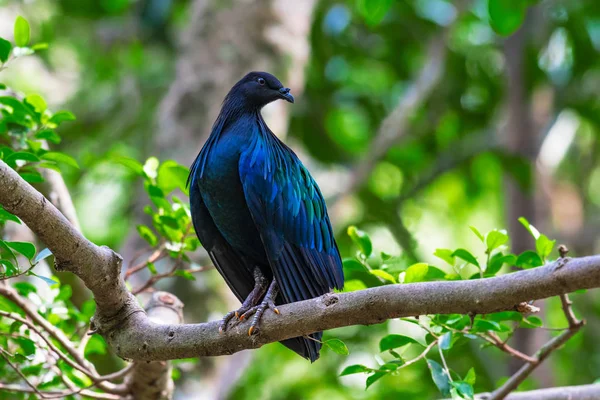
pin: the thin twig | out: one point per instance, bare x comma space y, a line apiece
496, 341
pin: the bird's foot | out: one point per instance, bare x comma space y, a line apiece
259, 310
253, 299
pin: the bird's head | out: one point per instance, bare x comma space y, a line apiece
257, 89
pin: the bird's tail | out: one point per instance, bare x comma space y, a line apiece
306, 347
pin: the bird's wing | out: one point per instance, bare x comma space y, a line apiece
289, 212
228, 262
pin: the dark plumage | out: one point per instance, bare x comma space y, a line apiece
259, 213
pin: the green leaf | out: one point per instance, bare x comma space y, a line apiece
185, 274
482, 325
5, 48
21, 31
172, 175
361, 239
9, 268
61, 117
355, 369
544, 246
37, 102
96, 345
416, 273
49, 135
60, 158
147, 234
27, 345
467, 256
529, 259
445, 254
152, 268
464, 389
353, 265
477, 233
6, 216
532, 321
21, 155
130, 163
506, 316
446, 341
64, 293
470, 377
495, 239
25, 288
394, 341
373, 11
337, 346
151, 167
169, 221
39, 46
506, 16
42, 255
7, 251
32, 177
383, 275
534, 232
440, 377
375, 377
25, 248
497, 261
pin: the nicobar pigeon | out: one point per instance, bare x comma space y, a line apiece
259, 213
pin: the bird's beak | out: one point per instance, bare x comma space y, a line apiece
284, 93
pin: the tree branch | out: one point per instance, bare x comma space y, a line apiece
137, 337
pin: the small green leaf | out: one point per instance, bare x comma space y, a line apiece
39, 46
172, 175
61, 117
394, 341
440, 377
5, 48
482, 325
383, 275
534, 232
32, 177
25, 248
495, 239
373, 11
9, 268
60, 158
467, 256
130, 163
27, 345
506, 316
355, 369
506, 16
147, 234
96, 345
464, 389
446, 341
6, 216
21, 155
42, 255
416, 273
497, 261
361, 239
353, 265
532, 321
337, 346
477, 233
470, 377
185, 274
529, 259
64, 293
37, 102
49, 135
375, 377
445, 254
544, 246
21, 31
25, 288
152, 268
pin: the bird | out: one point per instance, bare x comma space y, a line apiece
259, 213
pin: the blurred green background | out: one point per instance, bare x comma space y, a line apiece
484, 128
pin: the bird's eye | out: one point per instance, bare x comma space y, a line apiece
260, 81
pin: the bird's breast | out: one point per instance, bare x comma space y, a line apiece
223, 195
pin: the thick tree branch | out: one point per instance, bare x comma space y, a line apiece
153, 380
583, 392
137, 337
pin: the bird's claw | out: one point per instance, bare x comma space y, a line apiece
258, 312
